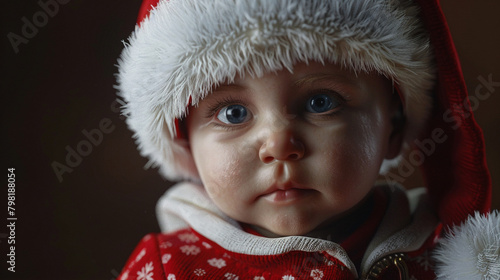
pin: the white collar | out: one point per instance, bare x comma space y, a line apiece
188, 205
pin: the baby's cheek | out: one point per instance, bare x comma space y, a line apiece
223, 187
222, 172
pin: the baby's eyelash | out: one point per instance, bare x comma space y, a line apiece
341, 97
337, 94
221, 103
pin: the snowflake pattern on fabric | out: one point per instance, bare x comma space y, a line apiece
190, 250
141, 254
165, 245
230, 276
189, 255
219, 263
124, 276
146, 272
199, 272
317, 274
205, 261
188, 237
165, 258
206, 245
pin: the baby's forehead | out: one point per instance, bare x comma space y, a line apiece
305, 75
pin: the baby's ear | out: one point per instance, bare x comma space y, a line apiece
184, 159
396, 138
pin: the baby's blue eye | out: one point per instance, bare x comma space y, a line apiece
321, 103
233, 114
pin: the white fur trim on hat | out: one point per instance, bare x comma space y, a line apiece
185, 47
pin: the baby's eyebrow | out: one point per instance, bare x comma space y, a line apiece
336, 78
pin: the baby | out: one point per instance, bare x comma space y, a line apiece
277, 117
291, 152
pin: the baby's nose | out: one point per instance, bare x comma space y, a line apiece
281, 146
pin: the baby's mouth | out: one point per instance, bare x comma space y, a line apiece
285, 193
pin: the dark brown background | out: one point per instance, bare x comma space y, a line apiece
61, 82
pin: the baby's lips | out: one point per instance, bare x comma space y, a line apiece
285, 192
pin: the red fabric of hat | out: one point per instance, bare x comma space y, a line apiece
145, 8
455, 173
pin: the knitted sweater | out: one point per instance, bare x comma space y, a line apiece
199, 242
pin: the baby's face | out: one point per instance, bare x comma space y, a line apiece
290, 152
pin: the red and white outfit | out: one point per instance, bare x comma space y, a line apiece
181, 49
200, 242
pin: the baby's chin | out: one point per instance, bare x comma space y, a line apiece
289, 224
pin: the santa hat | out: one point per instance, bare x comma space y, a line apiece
181, 49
